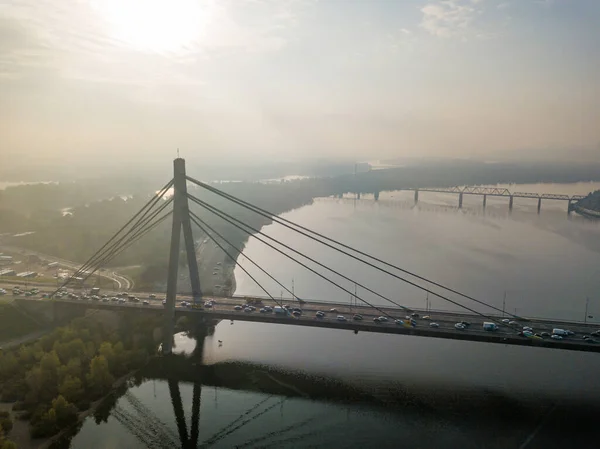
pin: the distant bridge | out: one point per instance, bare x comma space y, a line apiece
495, 191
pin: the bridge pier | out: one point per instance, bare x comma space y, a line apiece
181, 221
510, 204
484, 201
460, 200
416, 196
569, 207
539, 208
376, 196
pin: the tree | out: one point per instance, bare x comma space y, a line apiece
34, 382
100, 379
90, 350
8, 365
4, 443
67, 351
71, 389
66, 413
50, 363
46, 425
6, 423
73, 369
106, 350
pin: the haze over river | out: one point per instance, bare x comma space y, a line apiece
546, 264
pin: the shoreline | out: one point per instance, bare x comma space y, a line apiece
83, 415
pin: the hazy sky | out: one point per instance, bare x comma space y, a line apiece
290, 78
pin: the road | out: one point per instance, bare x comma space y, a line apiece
506, 334
122, 282
7, 344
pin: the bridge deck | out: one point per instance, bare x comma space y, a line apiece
491, 191
506, 334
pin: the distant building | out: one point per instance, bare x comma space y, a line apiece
27, 274
53, 264
7, 272
6, 260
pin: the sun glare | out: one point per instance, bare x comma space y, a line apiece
153, 25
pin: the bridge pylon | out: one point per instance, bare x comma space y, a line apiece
181, 221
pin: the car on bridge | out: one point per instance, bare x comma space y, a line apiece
357, 317
320, 314
341, 318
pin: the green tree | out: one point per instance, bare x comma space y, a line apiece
72, 349
100, 379
66, 413
35, 384
106, 350
90, 350
72, 389
8, 365
50, 363
4, 443
7, 444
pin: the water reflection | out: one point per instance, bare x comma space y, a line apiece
234, 404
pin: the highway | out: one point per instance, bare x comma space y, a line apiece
122, 282
506, 334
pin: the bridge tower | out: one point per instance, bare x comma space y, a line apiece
460, 200
181, 220
484, 201
539, 208
416, 196
510, 204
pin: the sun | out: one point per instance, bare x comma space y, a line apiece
153, 25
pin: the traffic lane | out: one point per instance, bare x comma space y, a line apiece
446, 316
442, 320
445, 325
445, 321
351, 324
450, 333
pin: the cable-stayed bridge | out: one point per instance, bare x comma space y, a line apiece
364, 313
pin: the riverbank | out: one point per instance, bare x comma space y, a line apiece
216, 270
72, 430
589, 206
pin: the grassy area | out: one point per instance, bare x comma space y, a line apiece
13, 323
131, 272
14, 280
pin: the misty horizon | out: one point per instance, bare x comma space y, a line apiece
297, 80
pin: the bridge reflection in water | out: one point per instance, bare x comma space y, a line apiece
414, 415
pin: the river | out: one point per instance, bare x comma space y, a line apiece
546, 265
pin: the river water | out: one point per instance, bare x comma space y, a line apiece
545, 265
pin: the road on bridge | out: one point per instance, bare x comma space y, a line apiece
224, 308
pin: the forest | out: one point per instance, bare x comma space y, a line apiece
62, 373
591, 201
